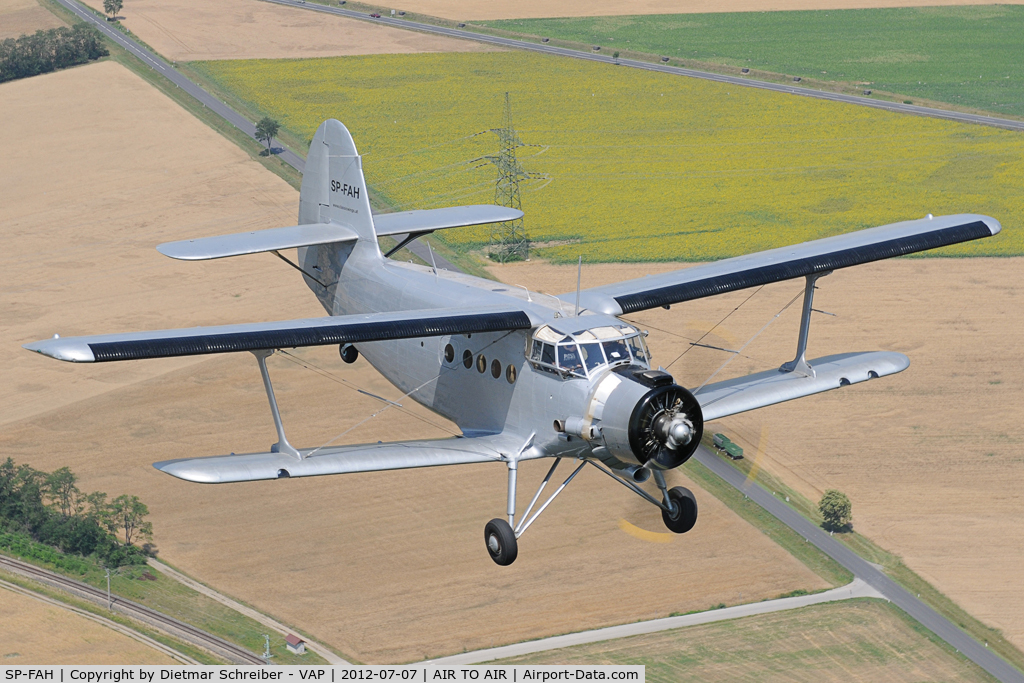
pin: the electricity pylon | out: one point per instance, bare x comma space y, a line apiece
508, 240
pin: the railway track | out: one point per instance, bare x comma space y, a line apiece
179, 629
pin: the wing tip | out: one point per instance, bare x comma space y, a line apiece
66, 350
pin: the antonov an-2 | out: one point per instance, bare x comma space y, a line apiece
523, 375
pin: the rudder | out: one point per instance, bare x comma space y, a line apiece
333, 186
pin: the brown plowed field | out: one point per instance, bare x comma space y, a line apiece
18, 17
933, 458
529, 9
386, 567
34, 632
184, 31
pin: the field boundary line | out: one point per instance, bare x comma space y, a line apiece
242, 609
103, 621
858, 588
662, 68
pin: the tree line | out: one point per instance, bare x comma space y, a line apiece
46, 51
51, 509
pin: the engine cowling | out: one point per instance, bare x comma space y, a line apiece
647, 419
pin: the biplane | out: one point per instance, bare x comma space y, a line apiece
523, 375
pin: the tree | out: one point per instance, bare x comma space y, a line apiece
266, 131
835, 508
112, 7
127, 514
61, 490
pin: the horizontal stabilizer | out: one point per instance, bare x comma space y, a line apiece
239, 244
429, 220
774, 386
340, 460
283, 334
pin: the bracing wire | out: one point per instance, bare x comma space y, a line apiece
748, 342
702, 337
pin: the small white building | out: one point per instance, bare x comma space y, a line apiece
295, 644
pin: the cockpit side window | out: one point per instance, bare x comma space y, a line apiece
548, 354
636, 345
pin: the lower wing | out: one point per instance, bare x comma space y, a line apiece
342, 459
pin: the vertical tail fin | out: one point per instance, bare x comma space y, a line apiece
333, 187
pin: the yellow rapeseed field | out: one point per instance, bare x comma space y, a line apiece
636, 166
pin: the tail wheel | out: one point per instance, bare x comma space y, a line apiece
684, 510
501, 542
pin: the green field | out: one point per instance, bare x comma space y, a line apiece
853, 640
969, 56
636, 166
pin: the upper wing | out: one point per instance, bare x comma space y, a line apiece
343, 329
786, 263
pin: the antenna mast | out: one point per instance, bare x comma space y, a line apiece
508, 240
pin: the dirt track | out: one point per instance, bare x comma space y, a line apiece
24, 16
386, 567
182, 31
526, 9
931, 458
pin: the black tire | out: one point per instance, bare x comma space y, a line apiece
684, 509
501, 542
349, 353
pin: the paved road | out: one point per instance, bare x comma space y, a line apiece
861, 568
662, 68
179, 629
242, 609
112, 625
941, 626
856, 589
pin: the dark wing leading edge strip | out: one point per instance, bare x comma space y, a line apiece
800, 267
345, 333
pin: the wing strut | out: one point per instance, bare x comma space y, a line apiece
282, 445
799, 364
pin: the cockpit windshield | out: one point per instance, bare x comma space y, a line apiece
582, 353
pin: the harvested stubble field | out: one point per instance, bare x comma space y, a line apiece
967, 56
34, 632
640, 166
930, 458
855, 640
385, 567
18, 17
498, 9
183, 31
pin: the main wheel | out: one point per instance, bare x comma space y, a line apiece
349, 353
501, 542
684, 510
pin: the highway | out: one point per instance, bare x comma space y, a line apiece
942, 627
515, 44
179, 629
862, 569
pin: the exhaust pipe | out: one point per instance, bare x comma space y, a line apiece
636, 474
